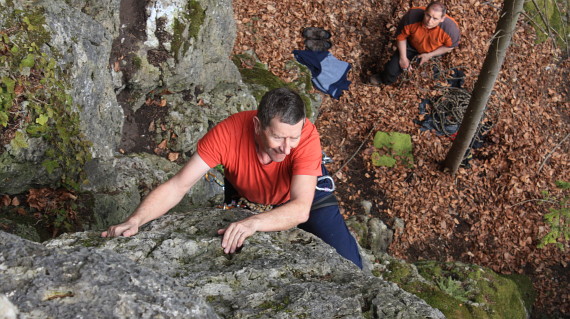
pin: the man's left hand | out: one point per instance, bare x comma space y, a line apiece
424, 57
235, 234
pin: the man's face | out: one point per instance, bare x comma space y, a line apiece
432, 18
277, 139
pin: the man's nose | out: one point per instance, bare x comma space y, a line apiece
286, 146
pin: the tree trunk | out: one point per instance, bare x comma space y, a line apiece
484, 85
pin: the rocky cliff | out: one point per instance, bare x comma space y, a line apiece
175, 268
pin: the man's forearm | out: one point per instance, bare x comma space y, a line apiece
402, 48
440, 51
157, 203
283, 217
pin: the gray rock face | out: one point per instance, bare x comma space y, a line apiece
84, 282
85, 45
162, 270
118, 185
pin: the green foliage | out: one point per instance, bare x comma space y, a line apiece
392, 148
549, 17
453, 288
33, 96
261, 80
6, 96
219, 168
558, 218
19, 141
562, 185
29, 61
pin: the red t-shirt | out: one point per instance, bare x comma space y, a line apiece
232, 144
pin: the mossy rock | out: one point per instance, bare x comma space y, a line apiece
392, 147
484, 293
260, 80
187, 27
463, 291
22, 229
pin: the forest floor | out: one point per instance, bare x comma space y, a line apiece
492, 213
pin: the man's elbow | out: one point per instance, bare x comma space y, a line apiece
303, 215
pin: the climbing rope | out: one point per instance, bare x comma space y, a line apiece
449, 108
448, 111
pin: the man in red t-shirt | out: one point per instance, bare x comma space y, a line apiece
425, 32
271, 156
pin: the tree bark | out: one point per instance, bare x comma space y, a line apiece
485, 82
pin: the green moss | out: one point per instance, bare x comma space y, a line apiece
477, 290
187, 26
91, 242
137, 62
42, 88
399, 272
464, 291
554, 15
391, 148
261, 80
276, 306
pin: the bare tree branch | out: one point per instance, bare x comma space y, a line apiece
551, 152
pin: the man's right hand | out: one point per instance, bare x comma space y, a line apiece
405, 63
126, 229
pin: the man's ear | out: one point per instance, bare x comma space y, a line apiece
256, 125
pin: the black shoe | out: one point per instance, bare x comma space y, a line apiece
318, 45
375, 79
316, 33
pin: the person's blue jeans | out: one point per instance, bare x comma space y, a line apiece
328, 224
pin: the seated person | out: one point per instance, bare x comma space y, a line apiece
424, 32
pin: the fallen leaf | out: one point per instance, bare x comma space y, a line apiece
172, 156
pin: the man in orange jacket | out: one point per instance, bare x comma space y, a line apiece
424, 32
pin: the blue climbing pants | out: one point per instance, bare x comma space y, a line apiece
326, 222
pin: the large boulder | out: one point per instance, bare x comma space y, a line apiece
175, 268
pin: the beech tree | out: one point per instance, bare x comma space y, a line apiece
485, 82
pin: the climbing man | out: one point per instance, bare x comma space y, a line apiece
271, 156
425, 32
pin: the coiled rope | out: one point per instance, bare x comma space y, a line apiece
449, 108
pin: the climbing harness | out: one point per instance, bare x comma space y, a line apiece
325, 189
212, 178
326, 159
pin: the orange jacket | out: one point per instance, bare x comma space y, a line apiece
423, 39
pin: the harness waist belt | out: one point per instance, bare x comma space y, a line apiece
328, 200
